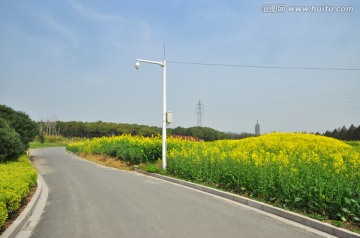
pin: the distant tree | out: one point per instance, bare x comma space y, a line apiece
328, 134
205, 133
99, 129
335, 133
351, 132
357, 134
343, 133
179, 131
235, 136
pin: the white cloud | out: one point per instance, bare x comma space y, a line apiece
61, 29
117, 30
93, 15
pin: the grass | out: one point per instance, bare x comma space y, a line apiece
52, 141
37, 144
107, 161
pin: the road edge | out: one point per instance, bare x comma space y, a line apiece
303, 220
29, 226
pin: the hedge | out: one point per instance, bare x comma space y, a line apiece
16, 179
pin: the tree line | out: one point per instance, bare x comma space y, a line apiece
351, 133
99, 129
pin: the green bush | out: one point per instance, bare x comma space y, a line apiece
11, 145
16, 179
3, 213
152, 168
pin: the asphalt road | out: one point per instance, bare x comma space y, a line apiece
90, 200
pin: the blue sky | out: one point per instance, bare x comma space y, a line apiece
74, 60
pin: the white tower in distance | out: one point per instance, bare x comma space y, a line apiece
257, 128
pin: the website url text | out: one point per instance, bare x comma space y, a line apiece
282, 8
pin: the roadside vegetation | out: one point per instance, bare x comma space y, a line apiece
310, 174
17, 175
16, 179
52, 141
16, 132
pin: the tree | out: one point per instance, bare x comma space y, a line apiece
205, 133
351, 132
21, 123
235, 136
343, 134
11, 145
328, 134
357, 134
335, 133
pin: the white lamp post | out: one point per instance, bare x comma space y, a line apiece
164, 116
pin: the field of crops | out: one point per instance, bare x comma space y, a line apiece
134, 149
16, 179
308, 173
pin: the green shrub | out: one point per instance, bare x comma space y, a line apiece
3, 213
152, 168
16, 179
11, 145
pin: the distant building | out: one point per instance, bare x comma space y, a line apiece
257, 128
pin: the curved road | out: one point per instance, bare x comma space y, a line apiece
90, 200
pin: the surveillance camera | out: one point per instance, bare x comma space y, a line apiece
137, 65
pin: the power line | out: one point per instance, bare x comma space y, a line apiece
263, 66
317, 100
